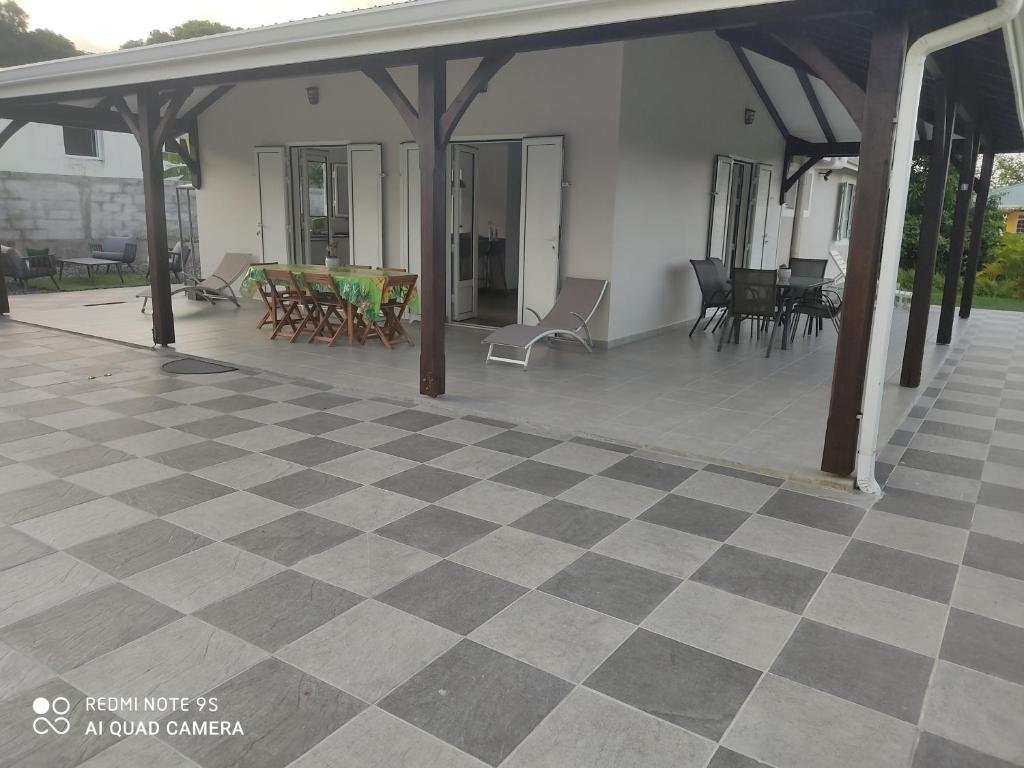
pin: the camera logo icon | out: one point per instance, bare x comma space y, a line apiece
59, 706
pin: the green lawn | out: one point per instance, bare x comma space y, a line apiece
990, 302
99, 280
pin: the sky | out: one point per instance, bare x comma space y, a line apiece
102, 25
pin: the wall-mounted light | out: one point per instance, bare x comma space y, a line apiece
748, 116
313, 94
827, 174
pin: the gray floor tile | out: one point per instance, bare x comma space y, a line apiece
496, 502
701, 518
366, 466
540, 478
989, 553
198, 455
570, 523
322, 401
25, 749
661, 549
140, 405
113, 429
134, 751
81, 459
613, 496
412, 420
19, 672
370, 650
942, 429
426, 483
779, 538
985, 645
295, 537
304, 488
72, 633
419, 447
1001, 497
937, 752
517, 556
590, 731
478, 700
22, 429
124, 476
175, 493
42, 499
942, 463
895, 569
726, 758
217, 426
684, 685
17, 548
518, 443
618, 589
653, 474
1010, 426
475, 461
788, 724
438, 530
367, 564
75, 525
280, 609
877, 675
580, 456
943, 542
376, 739
961, 406
780, 583
922, 506
452, 596
31, 587
366, 508
312, 451
135, 549
233, 403
726, 490
800, 508
286, 712
976, 710
229, 515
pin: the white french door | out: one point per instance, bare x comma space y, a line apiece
721, 203
463, 241
760, 197
366, 209
540, 226
314, 224
272, 227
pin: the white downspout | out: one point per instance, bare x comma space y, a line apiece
899, 183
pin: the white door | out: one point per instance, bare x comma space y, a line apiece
462, 233
758, 230
540, 226
721, 198
366, 217
272, 226
314, 222
409, 171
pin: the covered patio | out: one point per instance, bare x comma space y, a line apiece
669, 392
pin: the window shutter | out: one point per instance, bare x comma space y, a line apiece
837, 232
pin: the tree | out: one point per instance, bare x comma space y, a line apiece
190, 29
1008, 169
20, 45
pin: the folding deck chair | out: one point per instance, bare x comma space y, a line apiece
575, 306
216, 287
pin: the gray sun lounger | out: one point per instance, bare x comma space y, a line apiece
575, 306
216, 287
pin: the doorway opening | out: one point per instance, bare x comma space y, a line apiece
484, 228
738, 230
320, 209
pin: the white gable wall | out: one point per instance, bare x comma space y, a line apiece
40, 149
683, 100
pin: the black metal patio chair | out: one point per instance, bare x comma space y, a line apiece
714, 291
753, 298
37, 262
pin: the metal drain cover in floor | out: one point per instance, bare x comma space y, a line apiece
189, 365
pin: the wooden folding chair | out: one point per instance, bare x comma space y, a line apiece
392, 310
335, 314
270, 316
291, 302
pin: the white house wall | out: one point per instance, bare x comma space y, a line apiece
683, 100
40, 149
572, 92
817, 234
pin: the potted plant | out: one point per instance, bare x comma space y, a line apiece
331, 261
784, 273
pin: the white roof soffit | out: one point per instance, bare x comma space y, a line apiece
385, 29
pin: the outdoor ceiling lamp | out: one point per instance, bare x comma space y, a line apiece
313, 94
748, 116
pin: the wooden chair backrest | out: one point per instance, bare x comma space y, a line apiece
322, 286
405, 283
276, 279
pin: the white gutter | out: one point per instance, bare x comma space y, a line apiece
1004, 14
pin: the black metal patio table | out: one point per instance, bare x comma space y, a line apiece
788, 293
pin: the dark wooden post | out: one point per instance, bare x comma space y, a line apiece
151, 145
885, 70
977, 230
9, 130
957, 236
432, 143
928, 241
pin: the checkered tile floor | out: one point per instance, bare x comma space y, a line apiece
369, 583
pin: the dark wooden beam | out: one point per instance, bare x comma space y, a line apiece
205, 103
189, 154
966, 165
819, 112
66, 115
396, 95
888, 52
151, 148
762, 94
475, 85
433, 251
848, 148
129, 118
977, 231
928, 239
10, 129
168, 120
789, 181
846, 90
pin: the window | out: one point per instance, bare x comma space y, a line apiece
844, 211
1020, 223
81, 142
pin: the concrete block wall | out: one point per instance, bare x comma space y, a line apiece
66, 213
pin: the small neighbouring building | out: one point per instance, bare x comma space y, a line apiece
495, 147
1011, 203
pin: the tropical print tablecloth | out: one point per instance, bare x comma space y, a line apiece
363, 288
